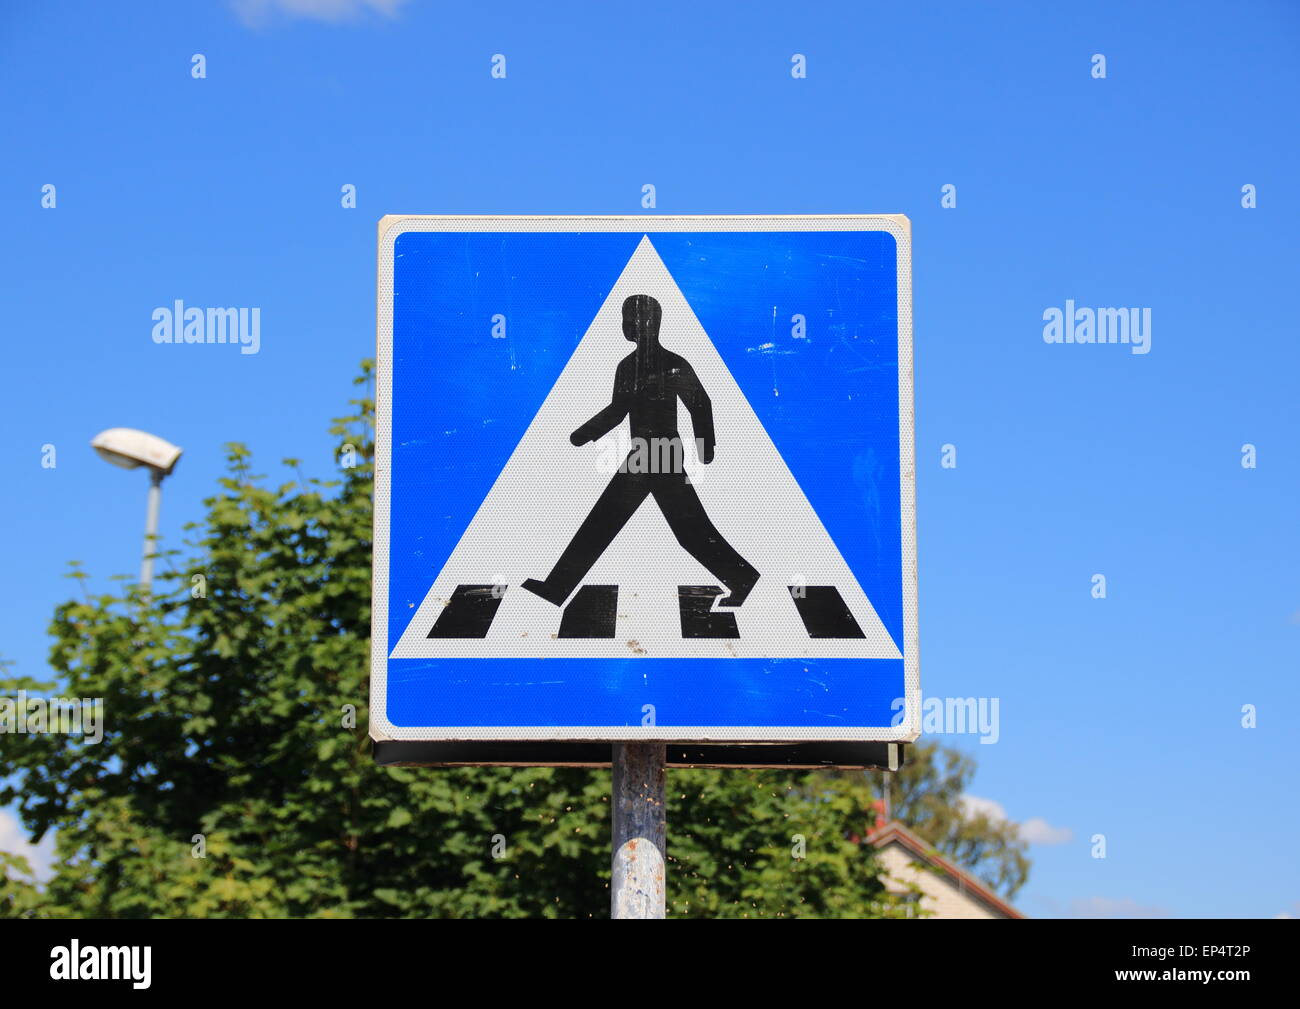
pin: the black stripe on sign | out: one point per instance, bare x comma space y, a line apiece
469, 612
698, 618
824, 613
591, 613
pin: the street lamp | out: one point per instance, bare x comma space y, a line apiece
131, 449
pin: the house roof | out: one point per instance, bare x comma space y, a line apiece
894, 832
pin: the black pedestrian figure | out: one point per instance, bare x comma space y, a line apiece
647, 385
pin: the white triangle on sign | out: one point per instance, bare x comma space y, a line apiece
548, 487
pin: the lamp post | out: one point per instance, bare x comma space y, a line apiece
131, 449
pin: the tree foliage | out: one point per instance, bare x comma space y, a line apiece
235, 778
928, 793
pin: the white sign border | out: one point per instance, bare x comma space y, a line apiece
390, 227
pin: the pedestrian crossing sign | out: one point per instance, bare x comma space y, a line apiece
645, 478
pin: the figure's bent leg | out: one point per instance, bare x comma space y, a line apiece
608, 515
690, 524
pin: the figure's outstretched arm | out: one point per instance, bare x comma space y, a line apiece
605, 421
701, 410
599, 425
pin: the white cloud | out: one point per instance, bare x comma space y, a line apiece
973, 806
256, 12
1035, 830
1113, 907
13, 839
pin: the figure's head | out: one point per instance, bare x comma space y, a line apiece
641, 315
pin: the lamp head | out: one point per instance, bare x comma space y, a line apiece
129, 448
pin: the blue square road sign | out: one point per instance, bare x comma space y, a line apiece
645, 478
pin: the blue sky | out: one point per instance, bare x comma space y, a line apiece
1119, 716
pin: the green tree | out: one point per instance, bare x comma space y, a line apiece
235, 778
926, 794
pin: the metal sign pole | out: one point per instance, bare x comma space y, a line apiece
636, 886
151, 529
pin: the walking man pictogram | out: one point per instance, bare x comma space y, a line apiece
647, 385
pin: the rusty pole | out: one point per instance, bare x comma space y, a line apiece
636, 886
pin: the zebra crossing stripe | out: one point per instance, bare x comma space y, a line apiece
592, 613
593, 610
824, 612
469, 612
699, 619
